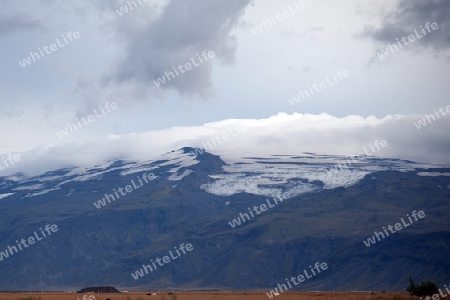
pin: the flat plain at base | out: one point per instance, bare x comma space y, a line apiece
193, 295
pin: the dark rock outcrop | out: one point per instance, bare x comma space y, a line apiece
99, 290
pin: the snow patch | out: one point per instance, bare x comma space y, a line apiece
5, 195
433, 174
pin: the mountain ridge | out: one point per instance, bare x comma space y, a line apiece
328, 223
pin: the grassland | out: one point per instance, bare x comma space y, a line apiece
210, 296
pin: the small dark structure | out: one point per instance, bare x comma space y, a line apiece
99, 290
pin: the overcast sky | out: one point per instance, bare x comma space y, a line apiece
247, 81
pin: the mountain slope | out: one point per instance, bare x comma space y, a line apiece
192, 200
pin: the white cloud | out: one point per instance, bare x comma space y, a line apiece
283, 133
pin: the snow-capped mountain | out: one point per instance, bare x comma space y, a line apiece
115, 217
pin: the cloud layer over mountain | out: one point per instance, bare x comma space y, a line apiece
291, 134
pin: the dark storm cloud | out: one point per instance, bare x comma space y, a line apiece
409, 16
184, 29
12, 24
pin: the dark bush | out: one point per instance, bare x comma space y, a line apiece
424, 288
